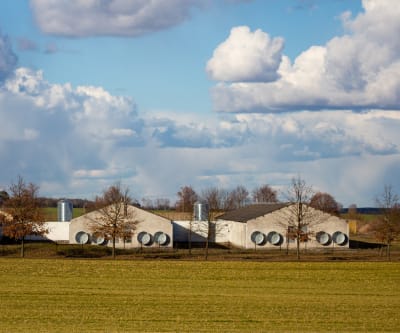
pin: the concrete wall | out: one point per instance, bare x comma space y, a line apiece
57, 232
278, 221
238, 234
185, 231
221, 231
146, 222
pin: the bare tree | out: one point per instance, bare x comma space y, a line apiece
186, 198
352, 211
115, 219
325, 202
264, 194
387, 226
238, 197
208, 230
24, 215
300, 215
147, 203
216, 198
162, 203
211, 196
353, 214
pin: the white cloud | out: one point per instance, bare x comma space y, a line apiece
54, 130
359, 70
75, 141
77, 18
246, 56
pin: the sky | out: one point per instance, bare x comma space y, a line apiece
162, 94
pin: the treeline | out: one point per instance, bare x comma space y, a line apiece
363, 210
218, 199
223, 200
52, 202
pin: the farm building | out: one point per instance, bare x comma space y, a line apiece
265, 226
150, 230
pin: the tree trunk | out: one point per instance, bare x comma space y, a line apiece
206, 250
207, 240
298, 247
23, 247
113, 247
190, 238
287, 244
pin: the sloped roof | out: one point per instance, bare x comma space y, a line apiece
251, 212
139, 213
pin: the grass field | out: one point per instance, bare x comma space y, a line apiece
58, 295
50, 213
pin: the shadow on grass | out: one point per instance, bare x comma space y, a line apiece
357, 244
79, 251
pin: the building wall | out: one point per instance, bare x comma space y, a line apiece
221, 232
278, 222
185, 231
146, 222
237, 234
57, 231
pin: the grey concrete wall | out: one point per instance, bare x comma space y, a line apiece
57, 232
278, 221
146, 222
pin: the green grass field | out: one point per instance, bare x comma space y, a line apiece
50, 213
47, 295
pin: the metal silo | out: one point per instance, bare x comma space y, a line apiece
200, 211
64, 210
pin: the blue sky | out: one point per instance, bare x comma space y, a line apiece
221, 93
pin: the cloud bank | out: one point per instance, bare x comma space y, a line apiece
359, 70
81, 139
75, 141
76, 18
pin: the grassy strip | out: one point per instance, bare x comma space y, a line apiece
185, 296
48, 250
51, 213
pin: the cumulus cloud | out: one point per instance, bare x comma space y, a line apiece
76, 18
359, 70
78, 140
54, 130
246, 56
8, 59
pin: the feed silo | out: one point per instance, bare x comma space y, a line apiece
200, 211
64, 210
